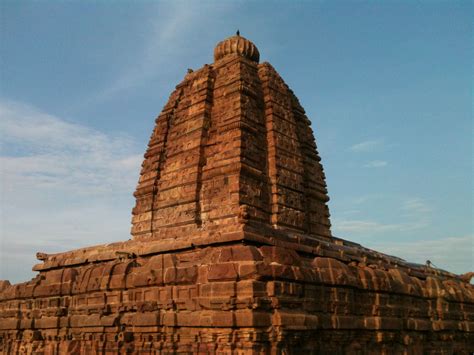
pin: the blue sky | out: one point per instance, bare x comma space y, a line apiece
387, 85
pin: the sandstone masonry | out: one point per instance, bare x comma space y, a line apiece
232, 251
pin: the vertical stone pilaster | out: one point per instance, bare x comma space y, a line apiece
150, 174
219, 190
298, 190
315, 190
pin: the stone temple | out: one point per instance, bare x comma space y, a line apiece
232, 251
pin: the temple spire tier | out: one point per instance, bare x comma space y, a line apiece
232, 151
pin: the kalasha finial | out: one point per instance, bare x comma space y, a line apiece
236, 45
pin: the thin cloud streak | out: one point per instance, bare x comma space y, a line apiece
362, 226
413, 213
168, 29
416, 205
366, 146
451, 253
376, 164
371, 227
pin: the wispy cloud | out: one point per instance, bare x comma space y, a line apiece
452, 253
168, 29
376, 164
416, 205
363, 199
366, 146
371, 227
63, 185
362, 226
411, 213
42, 150
410, 217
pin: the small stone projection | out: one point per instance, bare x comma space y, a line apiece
232, 251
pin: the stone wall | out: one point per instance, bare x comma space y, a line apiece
238, 298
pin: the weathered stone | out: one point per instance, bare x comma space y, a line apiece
232, 250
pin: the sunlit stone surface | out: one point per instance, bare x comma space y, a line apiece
232, 250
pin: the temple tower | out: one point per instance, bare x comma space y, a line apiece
232, 150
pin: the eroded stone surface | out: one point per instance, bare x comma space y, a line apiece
232, 250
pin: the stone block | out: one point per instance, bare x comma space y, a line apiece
148, 319
223, 272
248, 318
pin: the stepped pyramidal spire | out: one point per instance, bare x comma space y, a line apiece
232, 150
231, 249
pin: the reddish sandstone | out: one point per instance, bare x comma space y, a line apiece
232, 250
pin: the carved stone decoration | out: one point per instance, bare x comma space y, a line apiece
232, 250
236, 45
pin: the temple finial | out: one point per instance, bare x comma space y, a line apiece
236, 45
